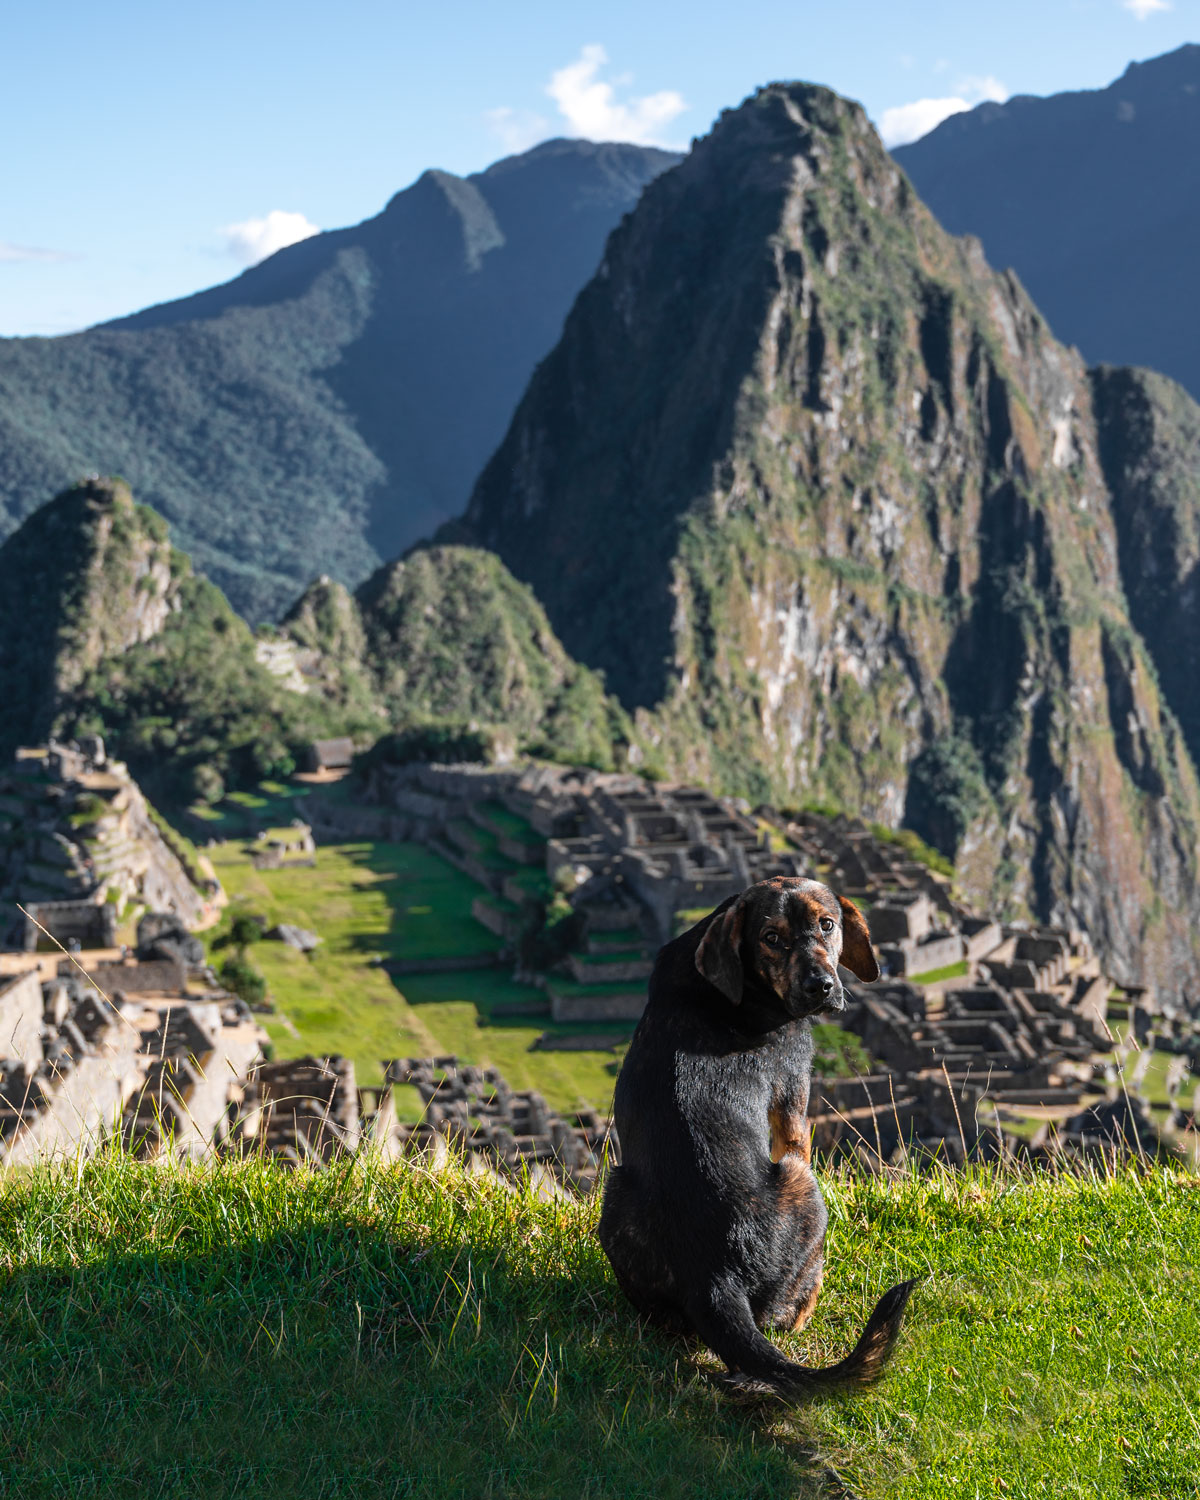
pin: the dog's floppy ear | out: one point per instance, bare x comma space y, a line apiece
719, 956
857, 954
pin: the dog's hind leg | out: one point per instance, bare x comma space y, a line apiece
723, 1318
633, 1253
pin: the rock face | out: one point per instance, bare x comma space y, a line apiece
105, 629
88, 576
1150, 448
337, 401
824, 499
1094, 199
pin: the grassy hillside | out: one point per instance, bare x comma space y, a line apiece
398, 902
242, 1330
452, 635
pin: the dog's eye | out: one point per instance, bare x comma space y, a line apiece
772, 938
827, 924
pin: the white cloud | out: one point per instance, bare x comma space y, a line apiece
909, 122
590, 106
12, 253
254, 239
1144, 9
517, 128
977, 89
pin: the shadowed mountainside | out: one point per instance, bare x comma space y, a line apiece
1094, 199
337, 401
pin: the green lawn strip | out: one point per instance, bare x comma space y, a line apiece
570, 987
364, 900
245, 1329
933, 976
397, 901
510, 824
627, 937
457, 1009
620, 956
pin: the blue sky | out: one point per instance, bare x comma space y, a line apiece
154, 149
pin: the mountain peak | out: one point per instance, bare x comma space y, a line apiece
819, 493
337, 400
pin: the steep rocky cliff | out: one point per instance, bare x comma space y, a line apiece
105, 628
87, 576
1150, 447
822, 496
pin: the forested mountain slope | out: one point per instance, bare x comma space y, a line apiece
335, 403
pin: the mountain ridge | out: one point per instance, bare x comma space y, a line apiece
1093, 197
336, 401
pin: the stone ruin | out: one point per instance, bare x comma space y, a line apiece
496, 1129
1007, 1023
76, 833
285, 847
153, 1066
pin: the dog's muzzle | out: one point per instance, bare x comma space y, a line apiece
822, 991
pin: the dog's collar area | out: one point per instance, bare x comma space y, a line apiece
761, 1010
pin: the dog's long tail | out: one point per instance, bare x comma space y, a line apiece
758, 1368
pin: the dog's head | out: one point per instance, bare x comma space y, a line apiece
785, 938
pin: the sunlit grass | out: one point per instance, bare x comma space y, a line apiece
241, 1330
372, 901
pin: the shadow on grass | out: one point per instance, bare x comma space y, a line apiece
353, 1353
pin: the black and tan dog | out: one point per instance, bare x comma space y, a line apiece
714, 1223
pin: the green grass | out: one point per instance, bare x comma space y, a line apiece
510, 824
618, 956
932, 976
242, 1330
601, 988
688, 917
375, 900
237, 813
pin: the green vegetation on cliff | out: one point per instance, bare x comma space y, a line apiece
109, 631
244, 1328
451, 636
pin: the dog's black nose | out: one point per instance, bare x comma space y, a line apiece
818, 986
